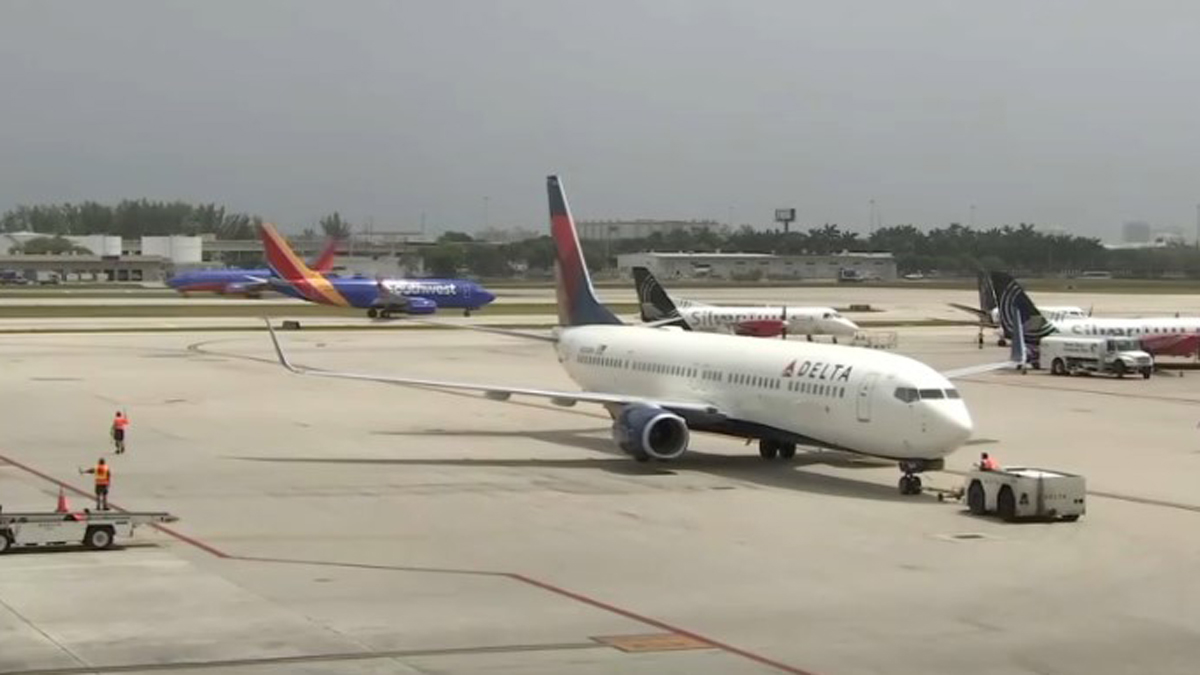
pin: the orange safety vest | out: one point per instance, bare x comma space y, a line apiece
990, 464
101, 474
120, 422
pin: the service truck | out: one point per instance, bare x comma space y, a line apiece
1067, 355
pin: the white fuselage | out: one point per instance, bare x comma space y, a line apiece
868, 401
1129, 327
1054, 313
800, 320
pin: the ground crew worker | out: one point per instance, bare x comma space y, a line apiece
119, 425
103, 480
987, 463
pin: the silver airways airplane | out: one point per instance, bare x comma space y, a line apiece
988, 311
1178, 336
761, 321
659, 384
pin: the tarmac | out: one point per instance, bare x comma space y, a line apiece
352, 527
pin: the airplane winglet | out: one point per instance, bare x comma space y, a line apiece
283, 360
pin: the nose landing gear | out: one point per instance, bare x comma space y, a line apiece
910, 482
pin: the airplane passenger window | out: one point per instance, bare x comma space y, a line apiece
906, 394
931, 393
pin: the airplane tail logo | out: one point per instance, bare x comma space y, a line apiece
577, 303
653, 300
987, 293
292, 270
1018, 315
324, 263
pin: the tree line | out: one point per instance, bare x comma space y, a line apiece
951, 250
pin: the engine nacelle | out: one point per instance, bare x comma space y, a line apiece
419, 305
647, 431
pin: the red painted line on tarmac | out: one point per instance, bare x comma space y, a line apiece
661, 625
527, 580
87, 495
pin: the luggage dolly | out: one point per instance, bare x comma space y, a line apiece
96, 530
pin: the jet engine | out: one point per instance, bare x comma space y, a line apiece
647, 432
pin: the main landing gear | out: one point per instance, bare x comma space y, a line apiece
379, 313
910, 482
770, 449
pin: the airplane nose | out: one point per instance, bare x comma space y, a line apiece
484, 297
847, 326
952, 425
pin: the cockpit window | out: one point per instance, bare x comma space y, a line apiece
906, 394
953, 393
931, 393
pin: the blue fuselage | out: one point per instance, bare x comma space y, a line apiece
419, 294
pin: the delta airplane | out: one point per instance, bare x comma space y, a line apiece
988, 312
765, 321
1160, 336
249, 283
380, 297
660, 384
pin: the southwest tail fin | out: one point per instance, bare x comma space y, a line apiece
577, 303
294, 273
1018, 315
653, 300
324, 263
280, 256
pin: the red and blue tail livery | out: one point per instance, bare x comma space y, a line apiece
380, 297
577, 303
249, 283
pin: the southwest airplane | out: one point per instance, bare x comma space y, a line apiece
988, 311
248, 283
380, 297
659, 384
1160, 336
657, 306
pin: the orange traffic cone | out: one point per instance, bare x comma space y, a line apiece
62, 507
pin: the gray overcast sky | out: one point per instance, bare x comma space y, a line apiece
1079, 113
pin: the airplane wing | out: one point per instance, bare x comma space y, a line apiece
979, 314
497, 392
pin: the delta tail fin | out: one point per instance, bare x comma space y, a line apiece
653, 301
577, 302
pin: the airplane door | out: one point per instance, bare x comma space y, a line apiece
865, 389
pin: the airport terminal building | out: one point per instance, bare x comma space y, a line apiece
761, 266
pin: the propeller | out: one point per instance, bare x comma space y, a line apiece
784, 328
1090, 308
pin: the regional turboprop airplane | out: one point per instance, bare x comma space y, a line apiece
380, 297
249, 283
989, 314
764, 321
1159, 335
659, 384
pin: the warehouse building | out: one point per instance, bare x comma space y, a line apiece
761, 266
